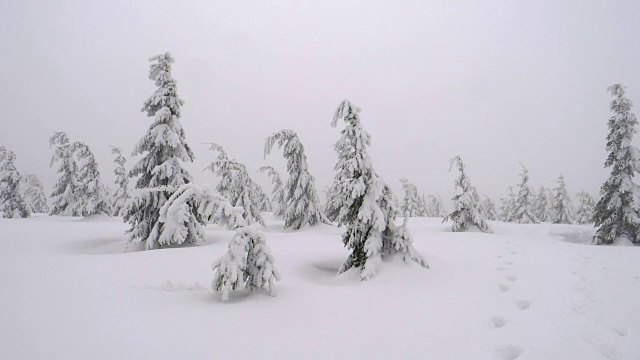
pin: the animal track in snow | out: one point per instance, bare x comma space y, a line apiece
511, 278
620, 331
500, 268
503, 287
509, 352
513, 252
509, 262
523, 304
498, 322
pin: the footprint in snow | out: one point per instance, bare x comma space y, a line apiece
509, 262
498, 322
500, 268
621, 331
503, 287
508, 352
511, 278
523, 304
513, 252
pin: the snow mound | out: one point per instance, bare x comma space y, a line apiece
574, 234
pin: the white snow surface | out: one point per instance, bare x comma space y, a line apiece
69, 291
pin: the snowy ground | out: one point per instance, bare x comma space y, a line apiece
526, 292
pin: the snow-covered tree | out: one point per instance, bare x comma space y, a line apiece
364, 201
435, 208
12, 204
561, 207
522, 208
247, 263
303, 203
617, 212
488, 209
278, 198
91, 194
34, 194
586, 206
122, 181
237, 186
508, 205
412, 203
64, 191
163, 148
466, 204
542, 205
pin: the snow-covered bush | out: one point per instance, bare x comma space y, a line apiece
34, 194
278, 199
159, 171
91, 194
466, 204
247, 263
12, 204
561, 207
584, 214
65, 189
617, 213
363, 200
122, 181
303, 204
522, 208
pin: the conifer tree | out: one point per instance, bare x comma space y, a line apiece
466, 211
278, 199
561, 207
364, 200
160, 171
64, 191
435, 208
522, 208
617, 212
12, 204
122, 181
584, 215
542, 205
303, 203
488, 209
507, 207
34, 195
412, 201
91, 196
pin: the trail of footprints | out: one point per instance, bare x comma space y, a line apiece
508, 351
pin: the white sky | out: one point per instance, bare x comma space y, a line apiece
498, 82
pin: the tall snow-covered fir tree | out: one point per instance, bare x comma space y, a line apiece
412, 203
542, 205
303, 203
12, 204
34, 194
584, 214
160, 171
488, 209
466, 204
508, 204
278, 196
522, 208
91, 194
236, 185
64, 191
121, 195
364, 200
561, 207
617, 213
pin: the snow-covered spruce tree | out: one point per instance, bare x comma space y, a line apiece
508, 204
64, 191
561, 206
34, 194
488, 209
412, 201
247, 263
237, 186
522, 208
365, 201
466, 211
278, 199
586, 206
435, 208
12, 204
542, 205
617, 212
91, 195
163, 148
121, 194
303, 203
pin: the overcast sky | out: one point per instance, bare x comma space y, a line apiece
498, 82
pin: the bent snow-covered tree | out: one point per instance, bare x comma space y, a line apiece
122, 181
466, 204
584, 214
12, 204
364, 201
522, 208
412, 202
561, 205
617, 213
278, 198
64, 191
160, 171
91, 196
34, 194
303, 204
